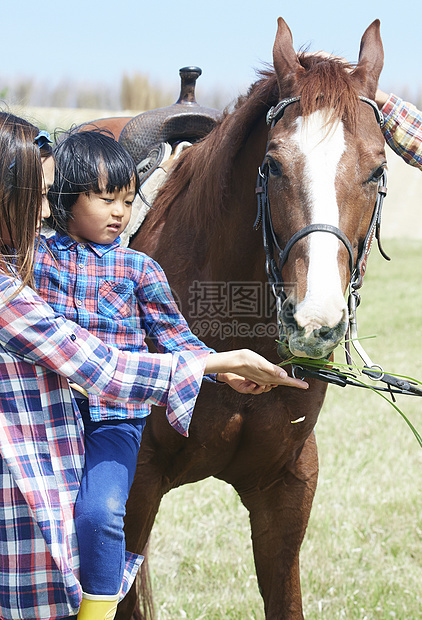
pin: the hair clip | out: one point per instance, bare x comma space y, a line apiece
43, 138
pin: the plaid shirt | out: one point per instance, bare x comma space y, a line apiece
41, 442
119, 295
403, 130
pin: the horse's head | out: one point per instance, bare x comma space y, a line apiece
324, 159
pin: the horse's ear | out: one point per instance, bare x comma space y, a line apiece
284, 56
371, 59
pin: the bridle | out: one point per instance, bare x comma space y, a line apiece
274, 266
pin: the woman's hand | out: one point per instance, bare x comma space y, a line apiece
250, 368
381, 98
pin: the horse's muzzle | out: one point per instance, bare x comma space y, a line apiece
311, 339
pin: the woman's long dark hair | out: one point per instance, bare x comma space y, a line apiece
20, 195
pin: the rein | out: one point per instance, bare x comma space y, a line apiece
273, 268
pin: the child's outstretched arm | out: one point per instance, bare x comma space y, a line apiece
248, 372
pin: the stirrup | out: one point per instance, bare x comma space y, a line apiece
159, 153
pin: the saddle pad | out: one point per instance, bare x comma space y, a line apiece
153, 171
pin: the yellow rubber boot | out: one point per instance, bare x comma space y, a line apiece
98, 607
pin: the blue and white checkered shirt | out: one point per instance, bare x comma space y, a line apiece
119, 295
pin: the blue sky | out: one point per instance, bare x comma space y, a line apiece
52, 40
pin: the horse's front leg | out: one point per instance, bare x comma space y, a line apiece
279, 514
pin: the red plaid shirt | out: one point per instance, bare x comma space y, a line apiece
41, 443
403, 130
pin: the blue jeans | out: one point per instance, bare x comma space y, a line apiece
111, 450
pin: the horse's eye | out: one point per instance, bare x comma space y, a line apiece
377, 174
274, 167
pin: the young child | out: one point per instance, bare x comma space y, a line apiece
121, 296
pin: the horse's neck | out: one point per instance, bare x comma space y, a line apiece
226, 240
208, 238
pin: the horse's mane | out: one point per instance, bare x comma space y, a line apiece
327, 83
202, 175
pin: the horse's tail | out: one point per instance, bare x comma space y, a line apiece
144, 609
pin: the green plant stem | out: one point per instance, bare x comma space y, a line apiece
312, 363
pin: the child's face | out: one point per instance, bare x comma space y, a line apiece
101, 218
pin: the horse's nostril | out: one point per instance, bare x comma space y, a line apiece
324, 332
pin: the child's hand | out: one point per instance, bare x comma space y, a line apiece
252, 367
242, 385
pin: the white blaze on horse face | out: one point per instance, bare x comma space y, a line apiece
322, 146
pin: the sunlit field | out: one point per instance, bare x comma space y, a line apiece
362, 555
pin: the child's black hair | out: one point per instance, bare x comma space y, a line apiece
84, 160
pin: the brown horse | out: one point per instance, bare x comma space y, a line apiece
322, 159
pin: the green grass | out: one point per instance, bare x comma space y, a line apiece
362, 555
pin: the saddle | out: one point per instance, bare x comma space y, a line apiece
185, 120
156, 138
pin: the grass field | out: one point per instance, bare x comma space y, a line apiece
362, 555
